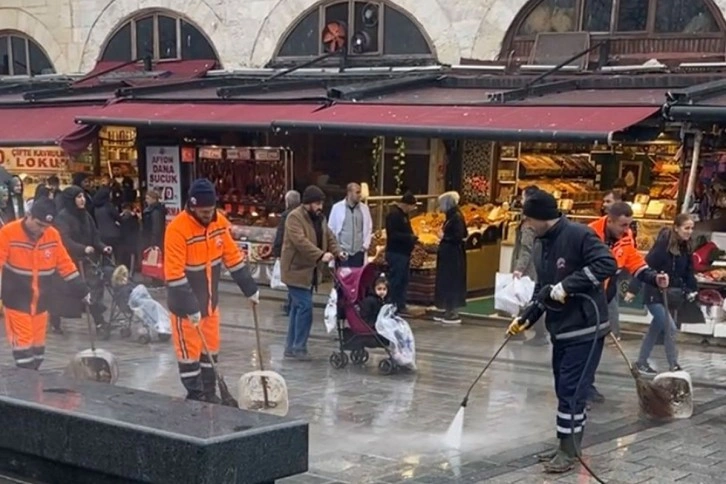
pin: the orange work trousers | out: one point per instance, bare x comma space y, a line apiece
187, 343
26, 335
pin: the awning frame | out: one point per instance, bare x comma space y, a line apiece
152, 123
523, 135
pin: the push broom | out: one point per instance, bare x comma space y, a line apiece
262, 390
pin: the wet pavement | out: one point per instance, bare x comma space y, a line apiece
369, 428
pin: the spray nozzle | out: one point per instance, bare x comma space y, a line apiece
465, 401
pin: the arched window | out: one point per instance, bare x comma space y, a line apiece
160, 36
370, 32
669, 25
22, 56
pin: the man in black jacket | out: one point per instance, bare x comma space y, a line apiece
292, 201
571, 271
400, 241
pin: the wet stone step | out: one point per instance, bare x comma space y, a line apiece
57, 430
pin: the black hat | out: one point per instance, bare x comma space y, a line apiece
312, 194
43, 209
408, 199
541, 206
202, 194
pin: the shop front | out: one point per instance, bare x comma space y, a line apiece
29, 137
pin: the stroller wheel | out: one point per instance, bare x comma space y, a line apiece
385, 366
359, 357
144, 339
125, 332
338, 360
163, 337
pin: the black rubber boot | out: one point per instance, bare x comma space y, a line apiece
565, 458
547, 455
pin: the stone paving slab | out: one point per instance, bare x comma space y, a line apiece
368, 428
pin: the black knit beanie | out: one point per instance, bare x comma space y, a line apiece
541, 206
312, 194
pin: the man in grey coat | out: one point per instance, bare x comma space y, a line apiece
525, 247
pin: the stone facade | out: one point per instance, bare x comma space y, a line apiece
246, 33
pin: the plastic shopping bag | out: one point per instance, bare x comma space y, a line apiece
276, 279
510, 294
397, 331
149, 311
152, 263
331, 311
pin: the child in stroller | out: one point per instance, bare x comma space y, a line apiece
360, 310
135, 300
371, 305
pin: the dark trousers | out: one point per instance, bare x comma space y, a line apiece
354, 260
301, 319
569, 365
398, 274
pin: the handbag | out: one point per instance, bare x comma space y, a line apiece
152, 263
676, 297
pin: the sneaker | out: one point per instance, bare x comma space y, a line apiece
645, 369
451, 318
289, 354
676, 367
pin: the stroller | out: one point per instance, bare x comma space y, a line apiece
103, 270
151, 320
351, 285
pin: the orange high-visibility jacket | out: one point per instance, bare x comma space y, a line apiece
193, 258
624, 251
28, 267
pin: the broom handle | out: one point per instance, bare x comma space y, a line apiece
206, 350
263, 380
621, 350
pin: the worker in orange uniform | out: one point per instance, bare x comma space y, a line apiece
197, 242
31, 252
614, 230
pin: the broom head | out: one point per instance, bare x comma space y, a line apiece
679, 387
251, 393
668, 396
93, 365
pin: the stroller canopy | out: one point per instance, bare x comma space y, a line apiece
354, 281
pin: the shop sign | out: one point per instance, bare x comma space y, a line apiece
40, 159
163, 174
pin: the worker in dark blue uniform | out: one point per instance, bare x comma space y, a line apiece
571, 271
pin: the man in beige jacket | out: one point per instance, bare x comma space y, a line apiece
307, 245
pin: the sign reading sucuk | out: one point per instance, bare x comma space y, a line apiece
41, 159
163, 174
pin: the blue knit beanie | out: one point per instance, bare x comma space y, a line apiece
202, 194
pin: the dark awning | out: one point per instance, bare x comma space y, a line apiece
495, 122
197, 115
39, 125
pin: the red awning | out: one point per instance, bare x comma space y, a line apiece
211, 115
492, 122
38, 125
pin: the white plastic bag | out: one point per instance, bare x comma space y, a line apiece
331, 311
397, 331
149, 311
276, 279
510, 294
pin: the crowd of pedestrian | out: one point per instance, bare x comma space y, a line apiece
96, 224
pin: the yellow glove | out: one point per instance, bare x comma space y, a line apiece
516, 327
